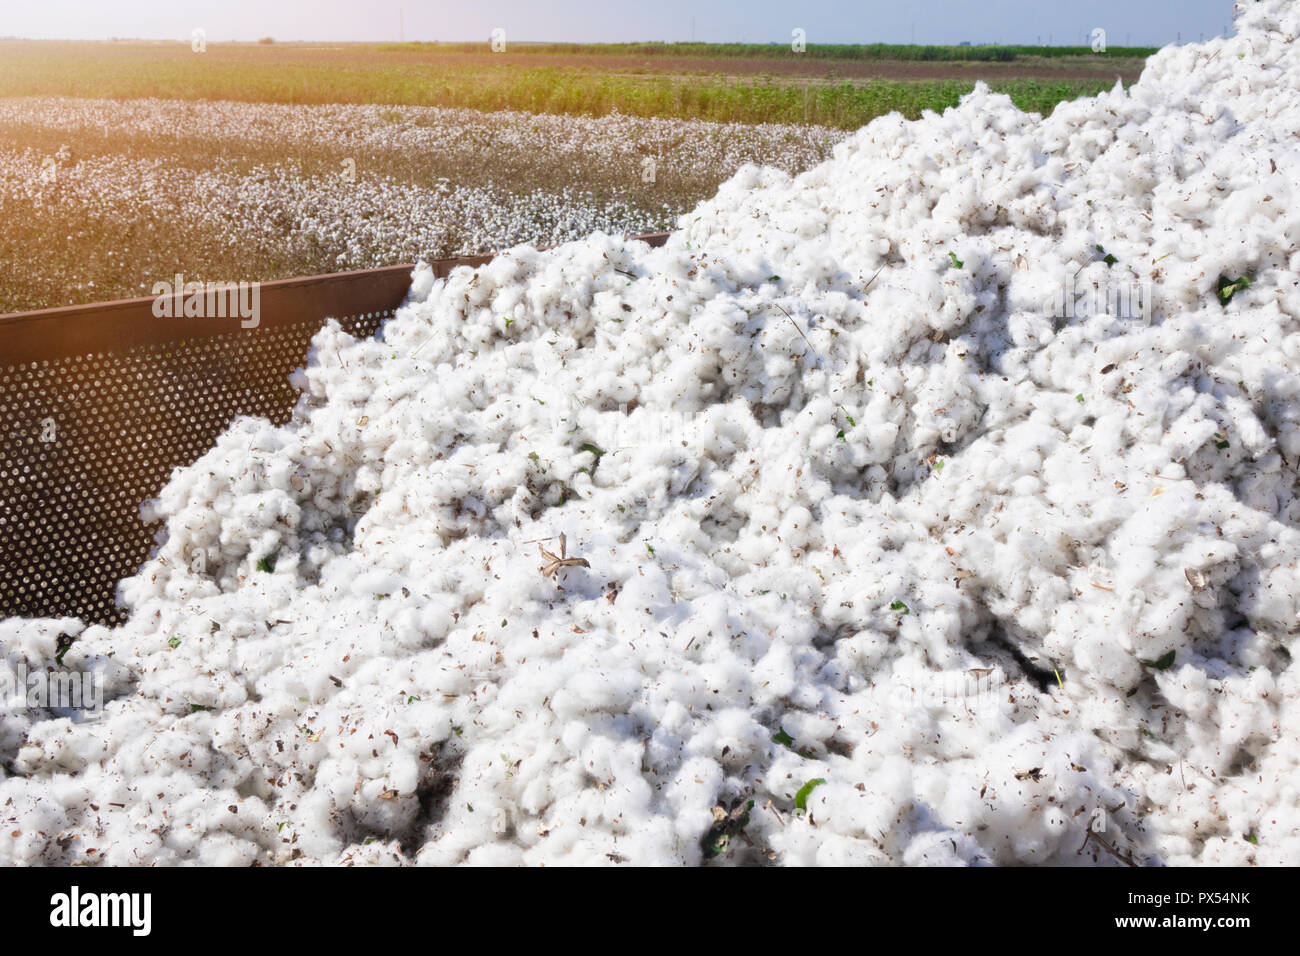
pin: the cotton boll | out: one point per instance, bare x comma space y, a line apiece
690, 796
495, 854
937, 849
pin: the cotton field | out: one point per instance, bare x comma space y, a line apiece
369, 221
819, 535
114, 192
465, 138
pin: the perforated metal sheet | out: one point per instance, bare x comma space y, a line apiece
99, 403
89, 437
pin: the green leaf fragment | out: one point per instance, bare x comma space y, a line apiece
1230, 287
801, 798
900, 606
1162, 663
956, 263
782, 738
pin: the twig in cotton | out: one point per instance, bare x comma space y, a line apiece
555, 562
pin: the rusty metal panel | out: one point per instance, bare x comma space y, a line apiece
99, 403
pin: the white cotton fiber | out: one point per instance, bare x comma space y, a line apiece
868, 526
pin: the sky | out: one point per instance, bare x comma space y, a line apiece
1126, 22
